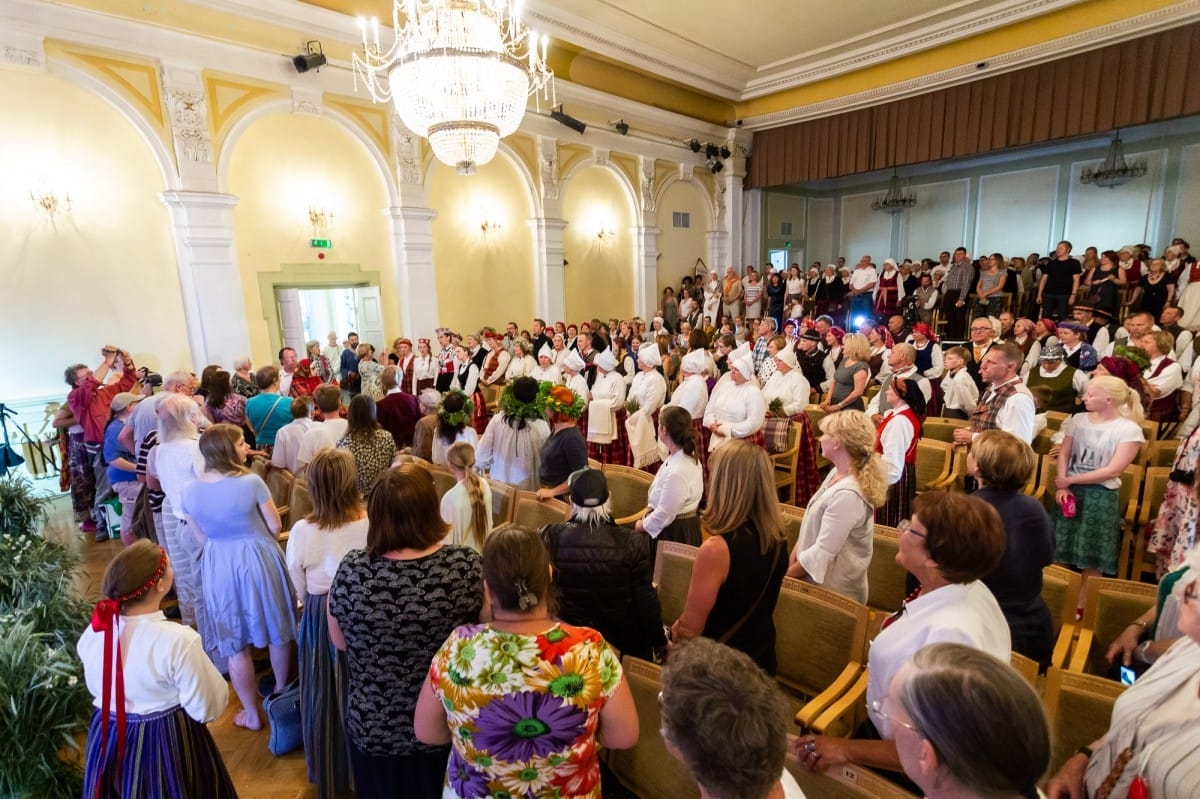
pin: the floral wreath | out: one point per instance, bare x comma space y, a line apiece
560, 399
1135, 354
457, 418
513, 408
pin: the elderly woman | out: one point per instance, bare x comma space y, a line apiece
836, 535
951, 542
850, 377
546, 370
372, 447
522, 699
368, 371
740, 567
1002, 465
786, 393
967, 725
511, 446
428, 588
608, 441
242, 378
1152, 747
646, 395
736, 409
521, 364
726, 721
318, 363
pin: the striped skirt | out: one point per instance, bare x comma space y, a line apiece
617, 451
168, 755
899, 498
323, 684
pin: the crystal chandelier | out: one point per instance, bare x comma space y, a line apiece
459, 73
896, 200
1115, 170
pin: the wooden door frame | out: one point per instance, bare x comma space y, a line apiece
307, 276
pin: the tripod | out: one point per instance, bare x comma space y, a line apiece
8, 456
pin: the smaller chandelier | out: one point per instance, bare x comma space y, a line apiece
896, 199
459, 73
1115, 170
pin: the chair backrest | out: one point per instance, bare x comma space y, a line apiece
673, 574
933, 461
1026, 667
301, 503
792, 519
1131, 487
940, 428
1043, 441
529, 511
1150, 430
815, 415
784, 462
1079, 707
279, 483
628, 489
845, 782
1108, 607
503, 499
1154, 486
885, 577
1055, 419
1047, 473
1161, 453
260, 466
1060, 592
648, 769
443, 480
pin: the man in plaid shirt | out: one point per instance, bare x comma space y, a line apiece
955, 288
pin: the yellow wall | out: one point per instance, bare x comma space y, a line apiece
599, 279
90, 277
279, 167
483, 277
680, 247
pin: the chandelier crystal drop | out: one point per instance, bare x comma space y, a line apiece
1115, 170
459, 72
896, 199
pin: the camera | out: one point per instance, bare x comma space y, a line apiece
152, 379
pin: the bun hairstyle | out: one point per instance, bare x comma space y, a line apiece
677, 423
516, 568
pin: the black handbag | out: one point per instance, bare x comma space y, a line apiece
283, 716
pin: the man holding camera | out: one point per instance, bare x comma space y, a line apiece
90, 400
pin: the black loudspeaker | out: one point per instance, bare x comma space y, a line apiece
313, 59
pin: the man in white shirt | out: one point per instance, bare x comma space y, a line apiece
322, 435
287, 441
1135, 326
862, 284
288, 360
901, 362
1006, 404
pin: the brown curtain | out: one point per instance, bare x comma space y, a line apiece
1131, 83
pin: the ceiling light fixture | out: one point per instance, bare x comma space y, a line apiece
1115, 170
622, 127
897, 198
694, 145
459, 73
313, 57
577, 125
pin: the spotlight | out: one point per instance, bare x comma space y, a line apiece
711, 151
715, 166
694, 146
725, 151
622, 127
565, 119
312, 58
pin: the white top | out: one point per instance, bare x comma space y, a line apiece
321, 435
895, 437
959, 391
425, 367
522, 366
285, 382
512, 456
177, 463
836, 537
937, 367
165, 666
456, 512
907, 373
502, 358
1093, 443
549, 374
739, 409
313, 553
790, 789
691, 395
440, 445
861, 278
578, 384
676, 490
465, 382
649, 389
1169, 380
963, 614
1016, 415
792, 388
609, 388
287, 444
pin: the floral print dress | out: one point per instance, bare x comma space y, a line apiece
523, 710
1174, 534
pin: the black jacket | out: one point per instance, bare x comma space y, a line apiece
603, 579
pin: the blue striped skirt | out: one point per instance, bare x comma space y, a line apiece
168, 755
323, 689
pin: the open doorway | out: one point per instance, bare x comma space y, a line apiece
308, 314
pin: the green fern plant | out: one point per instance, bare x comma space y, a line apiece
22, 511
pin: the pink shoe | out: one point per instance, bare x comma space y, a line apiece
88, 527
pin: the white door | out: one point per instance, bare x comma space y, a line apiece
291, 319
370, 318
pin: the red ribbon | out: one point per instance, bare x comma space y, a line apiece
105, 619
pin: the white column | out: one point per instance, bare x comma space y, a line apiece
752, 249
645, 278
731, 201
412, 269
213, 307
549, 275
717, 242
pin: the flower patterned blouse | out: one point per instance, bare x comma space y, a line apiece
523, 710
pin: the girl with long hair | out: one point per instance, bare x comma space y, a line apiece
372, 447
467, 507
674, 499
454, 424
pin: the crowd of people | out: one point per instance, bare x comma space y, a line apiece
520, 626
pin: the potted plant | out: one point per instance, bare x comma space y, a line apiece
22, 511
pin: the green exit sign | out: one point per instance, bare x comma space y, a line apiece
324, 244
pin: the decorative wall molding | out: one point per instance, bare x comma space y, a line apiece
306, 101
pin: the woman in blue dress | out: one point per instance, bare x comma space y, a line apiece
245, 578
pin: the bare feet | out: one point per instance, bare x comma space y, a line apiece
248, 719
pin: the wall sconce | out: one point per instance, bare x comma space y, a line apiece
321, 219
605, 233
491, 226
49, 202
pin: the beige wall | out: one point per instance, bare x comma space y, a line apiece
599, 275
280, 166
680, 247
483, 277
88, 276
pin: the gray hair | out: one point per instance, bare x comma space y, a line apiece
594, 516
176, 418
430, 400
982, 718
906, 351
241, 362
726, 717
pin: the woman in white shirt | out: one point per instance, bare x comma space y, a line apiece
546, 370
466, 508
316, 545
521, 364
674, 498
511, 446
836, 535
648, 391
607, 440
425, 366
897, 436
169, 689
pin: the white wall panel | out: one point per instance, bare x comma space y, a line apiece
865, 231
937, 222
820, 231
785, 209
1109, 218
1187, 204
1015, 212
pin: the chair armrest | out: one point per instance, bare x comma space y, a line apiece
283, 537
807, 717
626, 521
1083, 647
1062, 647
845, 706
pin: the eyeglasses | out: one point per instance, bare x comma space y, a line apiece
905, 526
878, 704
980, 329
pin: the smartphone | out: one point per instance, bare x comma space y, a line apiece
1128, 675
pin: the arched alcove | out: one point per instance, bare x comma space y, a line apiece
598, 245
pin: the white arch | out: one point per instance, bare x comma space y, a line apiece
164, 159
631, 193
284, 105
531, 189
709, 205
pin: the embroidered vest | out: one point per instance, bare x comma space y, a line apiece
986, 411
910, 455
1163, 409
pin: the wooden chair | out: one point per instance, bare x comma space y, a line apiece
1127, 503
1151, 430
443, 480
784, 464
1054, 420
793, 517
1060, 592
529, 511
940, 428
934, 459
280, 483
1047, 473
1133, 563
1026, 667
820, 644
503, 499
1043, 441
1160, 453
885, 577
301, 503
260, 466
673, 564
1079, 707
648, 769
628, 490
594, 464
845, 782
1108, 607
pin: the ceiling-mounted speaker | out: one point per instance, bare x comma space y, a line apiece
313, 58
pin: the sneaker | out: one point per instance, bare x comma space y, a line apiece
88, 526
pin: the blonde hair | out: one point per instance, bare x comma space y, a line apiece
1128, 403
856, 347
1003, 460
218, 445
741, 490
854, 431
461, 456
